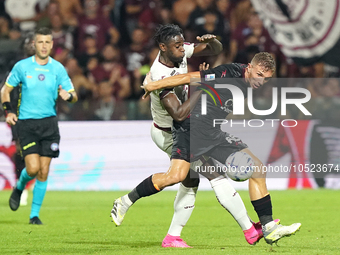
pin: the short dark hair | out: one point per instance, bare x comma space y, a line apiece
43, 31
90, 36
264, 59
165, 32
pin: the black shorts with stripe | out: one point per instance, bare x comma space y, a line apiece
39, 136
203, 140
181, 138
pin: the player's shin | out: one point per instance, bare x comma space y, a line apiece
231, 201
183, 206
24, 178
144, 189
263, 208
38, 197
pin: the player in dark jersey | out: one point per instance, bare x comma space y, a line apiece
260, 69
168, 105
203, 138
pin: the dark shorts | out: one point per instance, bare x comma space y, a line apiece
181, 138
39, 136
191, 142
14, 133
222, 151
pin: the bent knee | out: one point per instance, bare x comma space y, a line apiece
176, 178
32, 170
260, 169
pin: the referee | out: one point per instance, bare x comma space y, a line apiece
41, 79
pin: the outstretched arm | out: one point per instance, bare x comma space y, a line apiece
170, 82
175, 108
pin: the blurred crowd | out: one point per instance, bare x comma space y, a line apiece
107, 48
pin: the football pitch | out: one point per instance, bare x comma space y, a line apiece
80, 223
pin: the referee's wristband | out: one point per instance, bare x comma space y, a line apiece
7, 108
71, 97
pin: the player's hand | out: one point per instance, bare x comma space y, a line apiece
204, 66
11, 119
63, 93
206, 38
146, 81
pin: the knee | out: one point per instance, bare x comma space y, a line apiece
32, 169
192, 180
43, 174
176, 178
259, 171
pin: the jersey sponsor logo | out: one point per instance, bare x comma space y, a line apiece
41, 77
209, 77
224, 73
173, 73
54, 147
41, 69
29, 76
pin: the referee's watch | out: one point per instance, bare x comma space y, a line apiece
70, 98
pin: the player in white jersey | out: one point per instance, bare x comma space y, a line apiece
166, 106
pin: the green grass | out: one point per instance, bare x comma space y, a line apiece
79, 223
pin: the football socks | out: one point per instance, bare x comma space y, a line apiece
183, 206
23, 180
263, 208
144, 189
38, 197
228, 197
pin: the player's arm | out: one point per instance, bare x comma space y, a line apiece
66, 89
11, 117
208, 46
69, 96
178, 111
169, 82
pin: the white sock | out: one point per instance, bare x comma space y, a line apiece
184, 205
228, 197
126, 200
270, 225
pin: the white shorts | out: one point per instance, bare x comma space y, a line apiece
164, 141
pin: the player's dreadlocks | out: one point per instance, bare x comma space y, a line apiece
165, 32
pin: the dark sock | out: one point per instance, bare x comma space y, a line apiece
263, 208
266, 219
133, 195
144, 189
19, 164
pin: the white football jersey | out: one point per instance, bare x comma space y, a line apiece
160, 71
